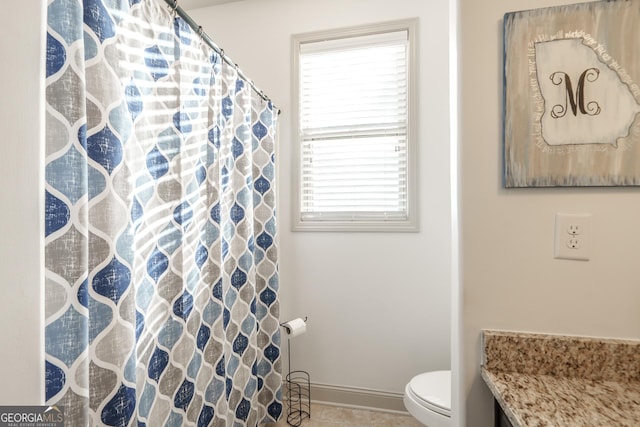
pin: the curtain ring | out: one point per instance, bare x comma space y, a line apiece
175, 7
200, 30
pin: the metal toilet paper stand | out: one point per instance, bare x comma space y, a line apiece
298, 390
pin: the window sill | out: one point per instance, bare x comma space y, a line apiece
357, 226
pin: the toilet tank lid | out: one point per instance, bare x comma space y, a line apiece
433, 388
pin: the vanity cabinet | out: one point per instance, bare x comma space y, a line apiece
501, 419
574, 381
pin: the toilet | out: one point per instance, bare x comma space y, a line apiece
427, 397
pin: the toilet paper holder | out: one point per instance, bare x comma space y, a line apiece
285, 325
298, 388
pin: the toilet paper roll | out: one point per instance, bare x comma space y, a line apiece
295, 327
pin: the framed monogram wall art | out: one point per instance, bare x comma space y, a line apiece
572, 95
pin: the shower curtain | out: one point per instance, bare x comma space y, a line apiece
161, 265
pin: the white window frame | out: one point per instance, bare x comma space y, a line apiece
408, 224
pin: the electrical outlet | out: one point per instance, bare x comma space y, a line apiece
572, 236
574, 228
573, 243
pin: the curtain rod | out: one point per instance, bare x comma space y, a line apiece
173, 5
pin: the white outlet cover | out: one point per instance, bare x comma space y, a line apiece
572, 246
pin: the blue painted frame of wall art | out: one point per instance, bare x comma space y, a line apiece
572, 96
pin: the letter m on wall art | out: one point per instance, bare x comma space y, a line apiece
572, 95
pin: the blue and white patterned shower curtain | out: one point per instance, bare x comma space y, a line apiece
161, 265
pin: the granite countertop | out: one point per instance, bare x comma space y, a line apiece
557, 381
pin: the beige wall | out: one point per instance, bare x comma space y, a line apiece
378, 303
509, 277
21, 192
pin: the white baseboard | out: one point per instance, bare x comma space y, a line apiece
361, 398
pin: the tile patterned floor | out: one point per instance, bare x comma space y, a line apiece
334, 416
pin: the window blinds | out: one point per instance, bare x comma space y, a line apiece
353, 128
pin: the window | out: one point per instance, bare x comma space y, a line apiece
354, 130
